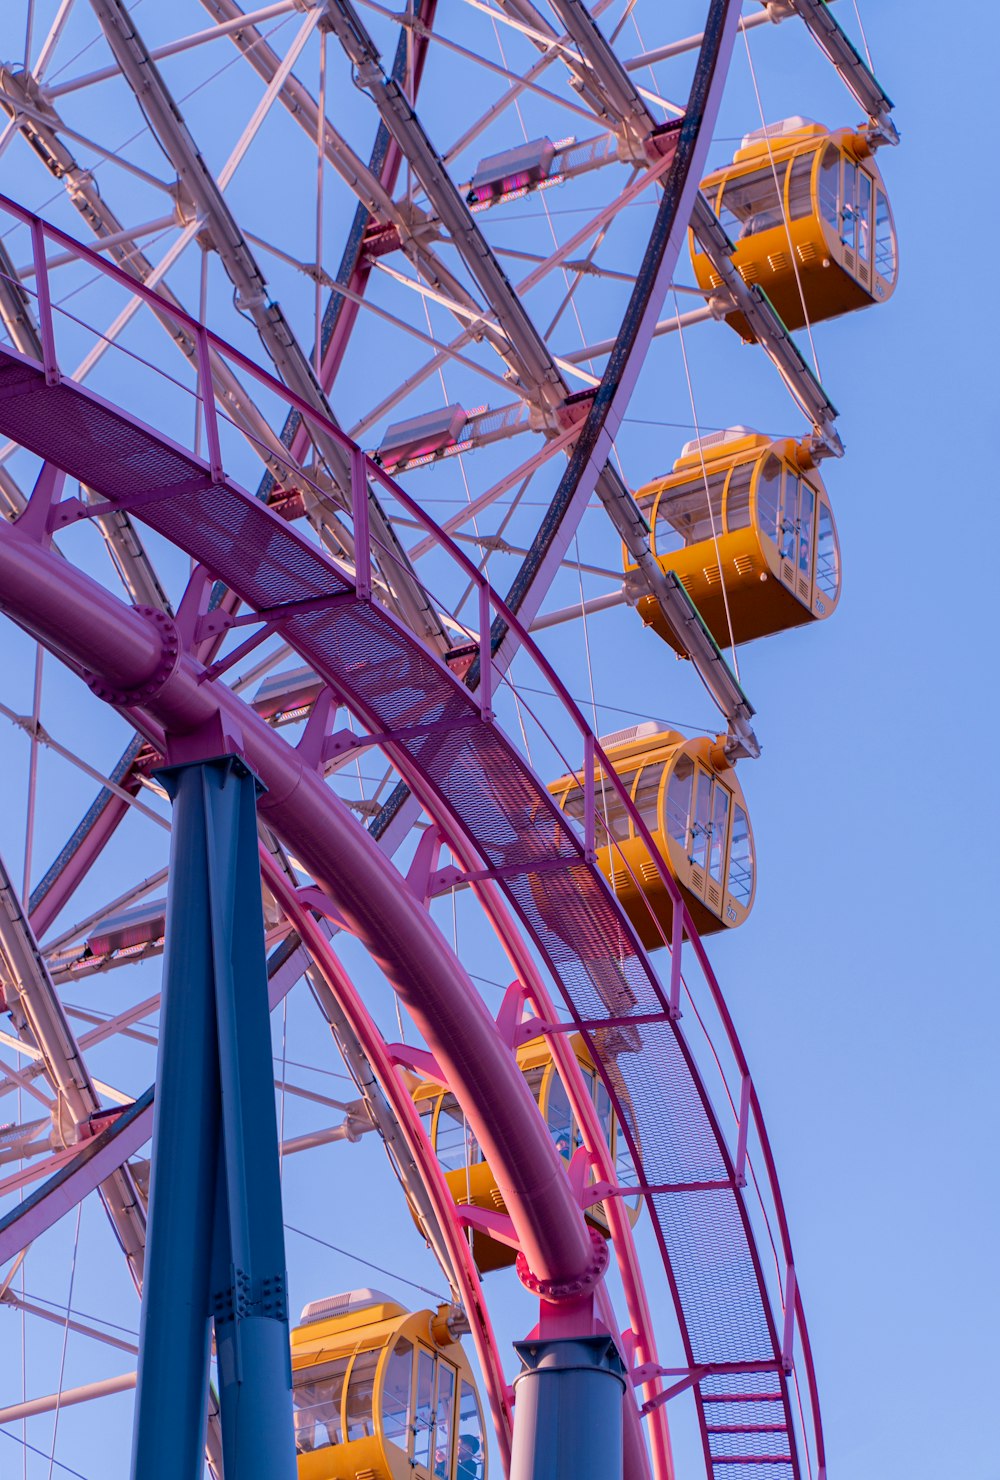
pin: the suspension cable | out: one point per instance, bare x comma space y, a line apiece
708, 496
593, 710
65, 1342
864, 37
781, 205
379, 1269
570, 286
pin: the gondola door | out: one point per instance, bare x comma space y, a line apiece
709, 838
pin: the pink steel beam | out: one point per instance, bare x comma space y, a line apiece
268, 520
129, 1132
349, 307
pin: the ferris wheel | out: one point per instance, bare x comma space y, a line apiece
322, 324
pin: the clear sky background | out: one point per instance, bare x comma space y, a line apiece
869, 999
865, 985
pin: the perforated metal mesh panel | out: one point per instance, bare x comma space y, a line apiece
509, 816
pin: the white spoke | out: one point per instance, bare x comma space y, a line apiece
267, 101
67, 1397
185, 43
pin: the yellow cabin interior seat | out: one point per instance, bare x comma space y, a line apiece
808, 213
470, 1178
383, 1393
746, 525
689, 797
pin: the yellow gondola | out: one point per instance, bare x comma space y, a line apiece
746, 525
384, 1393
687, 794
469, 1177
810, 219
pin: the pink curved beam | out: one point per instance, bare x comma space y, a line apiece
93, 631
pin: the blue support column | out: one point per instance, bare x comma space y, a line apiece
249, 1288
215, 1247
568, 1410
168, 1435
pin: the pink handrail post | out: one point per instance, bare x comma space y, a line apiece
45, 326
206, 395
589, 809
676, 940
485, 651
788, 1335
741, 1143
362, 532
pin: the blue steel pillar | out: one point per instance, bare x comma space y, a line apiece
568, 1410
215, 1245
